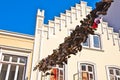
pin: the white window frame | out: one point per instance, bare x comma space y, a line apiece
1, 58
92, 41
8, 69
16, 70
107, 70
57, 67
87, 62
15, 53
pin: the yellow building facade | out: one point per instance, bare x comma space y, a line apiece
15, 55
98, 60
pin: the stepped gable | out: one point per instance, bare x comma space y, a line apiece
76, 13
69, 19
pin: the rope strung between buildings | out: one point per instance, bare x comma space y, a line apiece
72, 43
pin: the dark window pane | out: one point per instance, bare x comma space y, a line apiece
21, 73
6, 58
117, 72
86, 43
111, 71
23, 60
90, 68
115, 78
96, 41
3, 71
14, 58
61, 74
84, 67
118, 78
12, 72
91, 76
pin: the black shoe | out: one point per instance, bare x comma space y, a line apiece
69, 56
52, 74
65, 62
85, 37
80, 48
47, 73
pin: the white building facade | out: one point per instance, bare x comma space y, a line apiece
99, 58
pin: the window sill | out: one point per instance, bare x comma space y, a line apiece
93, 49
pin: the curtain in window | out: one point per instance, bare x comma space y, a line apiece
85, 76
55, 72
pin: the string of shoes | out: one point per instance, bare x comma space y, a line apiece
72, 43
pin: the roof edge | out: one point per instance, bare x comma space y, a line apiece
15, 34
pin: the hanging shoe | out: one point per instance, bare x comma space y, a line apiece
47, 73
65, 61
52, 73
69, 56
80, 48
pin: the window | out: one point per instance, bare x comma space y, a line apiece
93, 41
87, 42
96, 41
114, 73
12, 67
57, 74
87, 71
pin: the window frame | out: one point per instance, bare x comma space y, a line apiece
92, 41
89, 63
88, 43
114, 68
15, 53
56, 67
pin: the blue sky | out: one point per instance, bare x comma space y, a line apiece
20, 15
